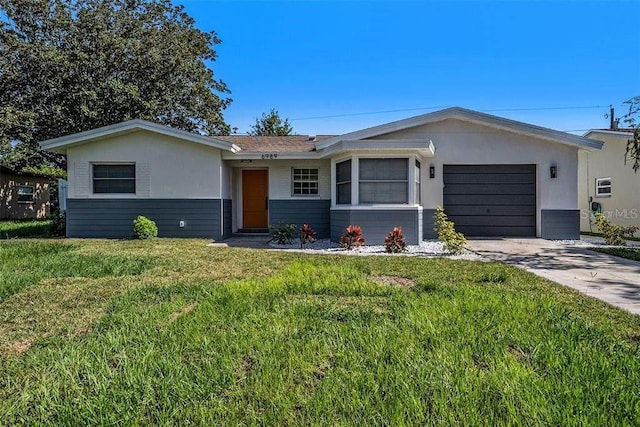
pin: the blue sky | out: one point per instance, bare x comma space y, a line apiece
321, 58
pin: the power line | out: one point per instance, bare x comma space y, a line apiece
371, 112
446, 106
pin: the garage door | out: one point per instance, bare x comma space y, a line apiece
491, 200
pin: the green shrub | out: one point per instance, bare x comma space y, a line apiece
58, 225
307, 235
394, 242
453, 241
144, 228
282, 232
614, 234
352, 237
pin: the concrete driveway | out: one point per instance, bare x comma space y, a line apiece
608, 278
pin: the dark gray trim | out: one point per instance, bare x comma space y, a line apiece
560, 224
427, 224
227, 215
377, 223
113, 218
314, 212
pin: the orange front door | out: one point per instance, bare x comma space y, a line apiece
255, 193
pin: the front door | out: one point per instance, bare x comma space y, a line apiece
255, 193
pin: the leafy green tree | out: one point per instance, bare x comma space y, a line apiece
271, 124
67, 66
633, 122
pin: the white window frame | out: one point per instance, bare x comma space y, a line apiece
134, 179
305, 180
33, 193
417, 178
414, 177
337, 183
600, 186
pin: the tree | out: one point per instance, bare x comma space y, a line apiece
633, 122
271, 125
67, 66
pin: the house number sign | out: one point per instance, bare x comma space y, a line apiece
269, 156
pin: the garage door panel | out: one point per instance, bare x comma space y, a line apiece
485, 200
491, 200
490, 169
489, 189
491, 178
494, 221
497, 231
491, 210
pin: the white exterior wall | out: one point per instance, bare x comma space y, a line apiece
166, 167
623, 207
280, 177
460, 142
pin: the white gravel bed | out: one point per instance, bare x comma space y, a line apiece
594, 241
427, 248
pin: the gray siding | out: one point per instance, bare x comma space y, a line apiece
376, 224
113, 218
299, 211
560, 224
227, 215
427, 224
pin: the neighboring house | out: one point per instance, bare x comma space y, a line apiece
23, 195
494, 177
606, 183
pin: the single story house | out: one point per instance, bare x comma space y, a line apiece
23, 195
606, 183
494, 177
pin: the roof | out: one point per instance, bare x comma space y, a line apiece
275, 144
60, 144
623, 133
473, 117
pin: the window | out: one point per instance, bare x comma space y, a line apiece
603, 187
343, 183
119, 179
305, 182
384, 181
25, 194
417, 182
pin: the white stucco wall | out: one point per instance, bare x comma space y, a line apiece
459, 142
280, 176
166, 167
623, 207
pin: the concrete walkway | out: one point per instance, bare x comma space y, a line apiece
608, 278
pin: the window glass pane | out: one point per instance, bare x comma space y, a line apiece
305, 181
383, 192
114, 178
114, 171
343, 171
383, 169
604, 190
25, 193
114, 186
343, 194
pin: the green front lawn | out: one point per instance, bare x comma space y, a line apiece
629, 253
25, 228
173, 332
